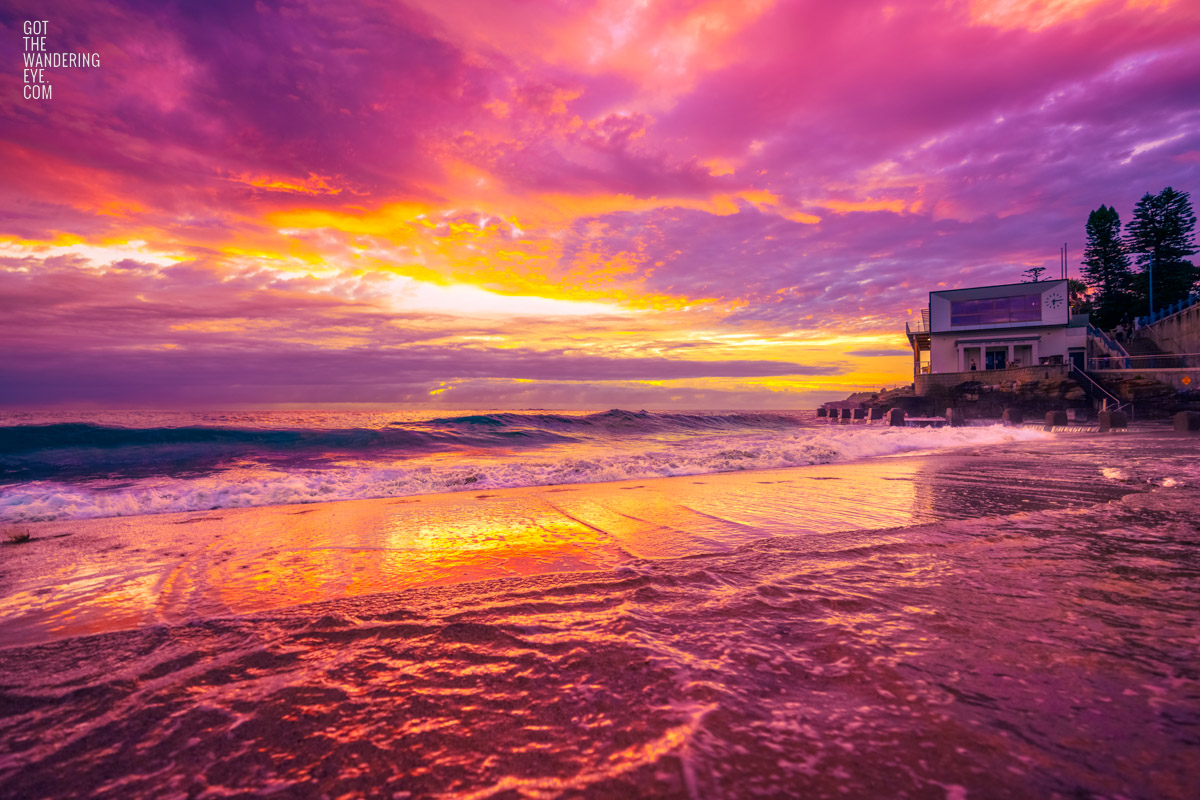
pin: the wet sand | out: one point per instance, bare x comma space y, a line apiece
1004, 621
94, 576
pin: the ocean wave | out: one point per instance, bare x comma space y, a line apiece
21, 439
85, 450
51, 499
621, 420
474, 429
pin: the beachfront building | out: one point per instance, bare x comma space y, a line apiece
989, 328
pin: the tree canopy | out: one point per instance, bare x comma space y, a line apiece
1106, 268
1162, 234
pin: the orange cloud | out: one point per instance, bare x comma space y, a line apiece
1035, 15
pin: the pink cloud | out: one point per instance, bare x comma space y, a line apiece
891, 146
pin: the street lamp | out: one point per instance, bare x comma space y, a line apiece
1150, 273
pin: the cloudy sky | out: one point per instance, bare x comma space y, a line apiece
543, 203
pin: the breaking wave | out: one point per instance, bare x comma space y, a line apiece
663, 446
619, 420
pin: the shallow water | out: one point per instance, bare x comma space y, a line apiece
61, 465
1028, 627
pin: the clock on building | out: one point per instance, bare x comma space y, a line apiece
1053, 299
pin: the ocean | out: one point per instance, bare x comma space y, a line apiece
715, 605
72, 465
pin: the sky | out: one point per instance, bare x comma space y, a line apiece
552, 204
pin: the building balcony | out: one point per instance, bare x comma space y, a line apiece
918, 333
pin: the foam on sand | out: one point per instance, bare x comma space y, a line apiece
87, 576
578, 462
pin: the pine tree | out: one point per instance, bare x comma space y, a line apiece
1163, 228
1106, 269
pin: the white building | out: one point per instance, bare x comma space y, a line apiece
998, 327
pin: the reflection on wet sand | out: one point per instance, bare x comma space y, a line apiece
93, 576
1012, 627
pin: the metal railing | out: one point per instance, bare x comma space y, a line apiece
1117, 404
1115, 349
1157, 361
1174, 308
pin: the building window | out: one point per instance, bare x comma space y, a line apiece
996, 310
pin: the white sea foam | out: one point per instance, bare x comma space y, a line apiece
573, 463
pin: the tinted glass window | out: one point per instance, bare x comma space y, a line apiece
996, 310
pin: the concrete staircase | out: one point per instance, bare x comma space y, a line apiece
1098, 394
1143, 346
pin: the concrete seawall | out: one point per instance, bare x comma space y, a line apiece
1178, 333
990, 377
1171, 377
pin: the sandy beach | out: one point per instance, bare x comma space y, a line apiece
100, 575
1011, 620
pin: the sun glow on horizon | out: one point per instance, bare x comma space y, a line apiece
723, 202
